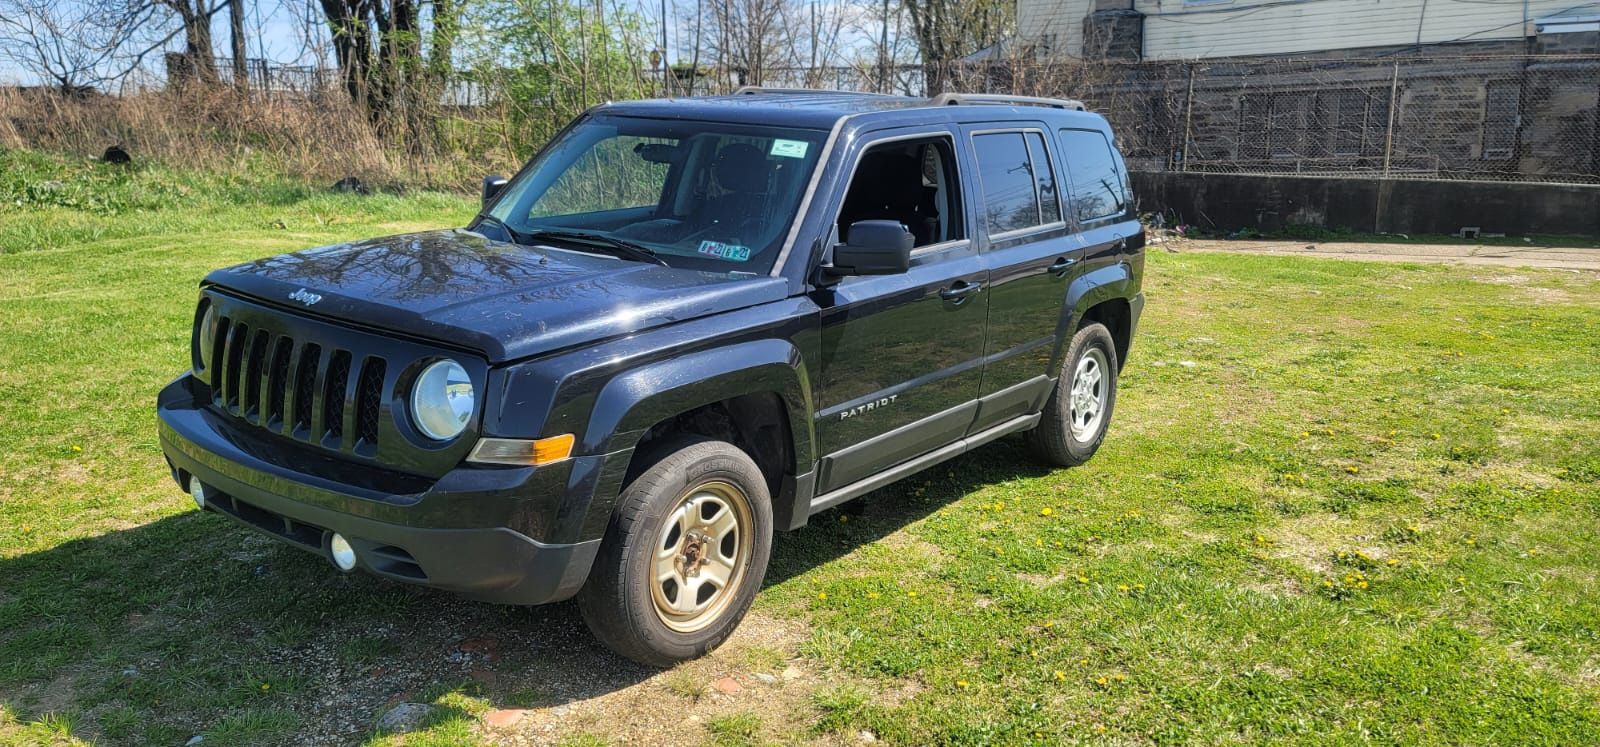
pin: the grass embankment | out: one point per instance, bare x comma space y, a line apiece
1341, 502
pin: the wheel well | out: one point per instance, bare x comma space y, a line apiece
1118, 320
756, 423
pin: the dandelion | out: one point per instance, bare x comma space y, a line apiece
1461, 579
961, 683
1436, 436
1046, 511
76, 449
1083, 662
1100, 728
1138, 587
1120, 677
1049, 623
823, 596
1414, 529
1533, 551
1352, 469
1391, 562
1060, 675
1123, 588
999, 505
1471, 540
1101, 680
911, 594
872, 595
1083, 579
265, 686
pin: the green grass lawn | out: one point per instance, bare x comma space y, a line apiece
1341, 502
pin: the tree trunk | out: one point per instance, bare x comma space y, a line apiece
241, 68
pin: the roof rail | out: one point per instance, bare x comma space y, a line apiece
1001, 99
750, 90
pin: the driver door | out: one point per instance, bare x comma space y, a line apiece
901, 355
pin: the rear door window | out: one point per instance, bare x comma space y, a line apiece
1019, 190
1097, 181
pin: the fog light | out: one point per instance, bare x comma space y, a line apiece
343, 554
197, 491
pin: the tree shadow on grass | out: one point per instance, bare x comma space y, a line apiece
192, 624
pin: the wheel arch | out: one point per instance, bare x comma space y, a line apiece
755, 395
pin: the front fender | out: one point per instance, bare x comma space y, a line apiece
630, 403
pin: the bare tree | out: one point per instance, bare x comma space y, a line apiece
948, 30
73, 46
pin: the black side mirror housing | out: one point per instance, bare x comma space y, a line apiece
491, 188
875, 247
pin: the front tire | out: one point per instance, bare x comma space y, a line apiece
683, 555
1075, 418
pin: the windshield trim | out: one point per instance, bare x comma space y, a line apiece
804, 209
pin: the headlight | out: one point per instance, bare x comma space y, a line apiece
205, 335
442, 400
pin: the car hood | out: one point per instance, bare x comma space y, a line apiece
505, 301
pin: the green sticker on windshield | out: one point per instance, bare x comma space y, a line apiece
730, 252
789, 148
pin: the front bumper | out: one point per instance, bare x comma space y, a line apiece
465, 532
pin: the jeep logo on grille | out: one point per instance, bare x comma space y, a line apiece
304, 296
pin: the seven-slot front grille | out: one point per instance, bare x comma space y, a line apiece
325, 395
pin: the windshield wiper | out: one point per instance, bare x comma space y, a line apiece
621, 247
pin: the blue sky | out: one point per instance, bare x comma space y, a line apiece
275, 30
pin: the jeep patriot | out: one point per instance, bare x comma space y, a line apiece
683, 325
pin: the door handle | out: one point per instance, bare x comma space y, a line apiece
1120, 243
957, 294
1061, 265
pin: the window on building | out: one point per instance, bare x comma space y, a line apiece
1096, 175
1501, 114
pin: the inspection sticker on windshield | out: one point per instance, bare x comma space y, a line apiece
789, 148
730, 252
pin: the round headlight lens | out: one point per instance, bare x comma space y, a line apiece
204, 336
442, 400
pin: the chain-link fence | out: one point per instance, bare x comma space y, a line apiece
1501, 118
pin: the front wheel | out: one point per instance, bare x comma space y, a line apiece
1075, 419
683, 556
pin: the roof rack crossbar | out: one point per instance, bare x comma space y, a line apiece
751, 90
1001, 99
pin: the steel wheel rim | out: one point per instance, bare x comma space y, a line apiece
1090, 383
699, 558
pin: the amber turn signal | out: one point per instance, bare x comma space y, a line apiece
521, 451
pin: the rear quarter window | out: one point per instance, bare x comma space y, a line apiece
1099, 186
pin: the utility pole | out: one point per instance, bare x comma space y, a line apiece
883, 52
241, 68
666, 70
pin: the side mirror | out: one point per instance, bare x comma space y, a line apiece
491, 189
875, 247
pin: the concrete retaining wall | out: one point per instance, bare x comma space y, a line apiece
1229, 202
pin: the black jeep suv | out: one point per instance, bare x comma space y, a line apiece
684, 324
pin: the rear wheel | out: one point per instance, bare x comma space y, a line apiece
683, 556
1079, 410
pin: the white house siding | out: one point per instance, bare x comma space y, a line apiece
1174, 29
1058, 24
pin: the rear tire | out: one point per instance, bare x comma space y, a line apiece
683, 555
1075, 418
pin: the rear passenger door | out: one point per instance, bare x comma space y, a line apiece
1031, 253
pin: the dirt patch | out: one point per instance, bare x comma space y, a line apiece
659, 709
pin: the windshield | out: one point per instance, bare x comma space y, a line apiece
700, 195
